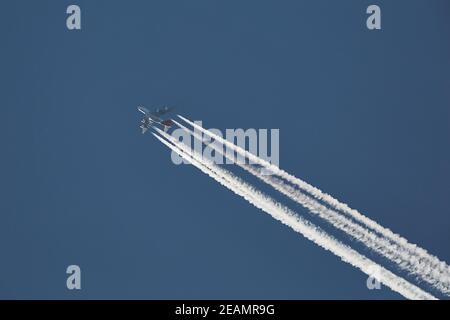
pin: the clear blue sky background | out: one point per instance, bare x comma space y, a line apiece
362, 115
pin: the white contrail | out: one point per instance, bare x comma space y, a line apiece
289, 218
396, 254
434, 267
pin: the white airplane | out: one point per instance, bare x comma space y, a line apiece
153, 118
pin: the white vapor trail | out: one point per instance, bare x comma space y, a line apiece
431, 264
397, 254
289, 218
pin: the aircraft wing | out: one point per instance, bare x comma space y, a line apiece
160, 111
143, 110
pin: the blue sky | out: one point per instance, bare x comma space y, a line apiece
362, 115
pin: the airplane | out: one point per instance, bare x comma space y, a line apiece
153, 118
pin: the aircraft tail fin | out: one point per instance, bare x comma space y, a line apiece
144, 129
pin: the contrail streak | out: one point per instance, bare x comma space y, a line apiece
396, 254
289, 218
435, 265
